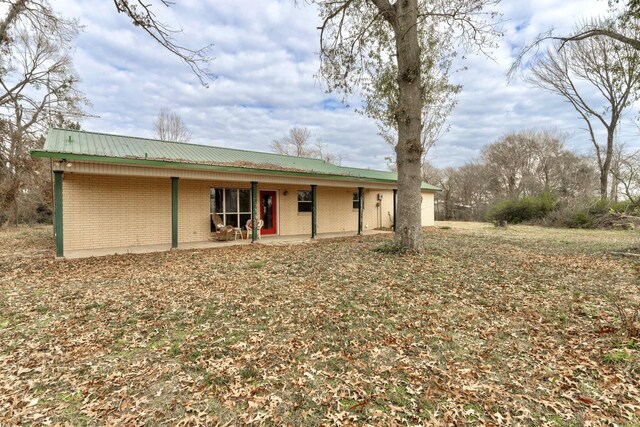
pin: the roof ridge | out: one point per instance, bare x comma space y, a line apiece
199, 145
367, 169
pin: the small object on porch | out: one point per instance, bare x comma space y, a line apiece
237, 232
223, 232
216, 220
249, 226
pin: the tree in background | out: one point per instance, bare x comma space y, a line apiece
519, 164
169, 126
529, 162
627, 175
298, 143
611, 68
465, 193
389, 51
38, 89
447, 180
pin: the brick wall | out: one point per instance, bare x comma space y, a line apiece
334, 209
111, 211
193, 210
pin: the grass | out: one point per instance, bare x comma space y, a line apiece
490, 325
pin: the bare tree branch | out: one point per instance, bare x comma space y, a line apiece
142, 16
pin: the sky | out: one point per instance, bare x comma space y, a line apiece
266, 65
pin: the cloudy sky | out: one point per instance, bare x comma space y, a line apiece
266, 64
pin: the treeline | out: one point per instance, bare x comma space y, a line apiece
531, 175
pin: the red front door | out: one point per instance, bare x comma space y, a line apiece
268, 212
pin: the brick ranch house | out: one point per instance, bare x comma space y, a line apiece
113, 191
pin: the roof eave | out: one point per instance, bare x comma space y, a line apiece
199, 166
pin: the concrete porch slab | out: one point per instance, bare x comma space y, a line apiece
265, 240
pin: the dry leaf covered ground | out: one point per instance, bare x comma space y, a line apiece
490, 326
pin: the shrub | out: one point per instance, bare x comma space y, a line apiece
598, 207
515, 211
581, 219
568, 216
624, 207
601, 207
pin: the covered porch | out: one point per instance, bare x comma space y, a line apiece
270, 209
100, 212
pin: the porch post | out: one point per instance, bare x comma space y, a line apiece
314, 217
174, 212
395, 195
254, 211
57, 206
360, 204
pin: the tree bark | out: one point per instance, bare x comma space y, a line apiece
606, 165
409, 149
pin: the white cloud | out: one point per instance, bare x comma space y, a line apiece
266, 61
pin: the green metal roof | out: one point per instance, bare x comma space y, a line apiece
102, 147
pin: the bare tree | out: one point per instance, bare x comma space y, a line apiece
387, 50
623, 25
448, 182
617, 160
609, 67
528, 162
36, 14
168, 126
38, 89
320, 151
509, 160
298, 143
627, 175
430, 173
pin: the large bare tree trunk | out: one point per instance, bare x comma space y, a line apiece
409, 149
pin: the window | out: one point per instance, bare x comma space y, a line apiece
356, 201
304, 201
233, 205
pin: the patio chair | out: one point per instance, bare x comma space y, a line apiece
249, 226
223, 232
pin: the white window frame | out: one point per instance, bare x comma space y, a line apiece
223, 214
